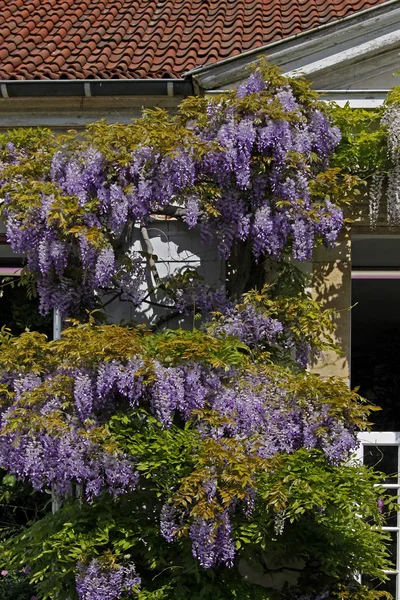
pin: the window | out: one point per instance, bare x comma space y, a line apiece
17, 312
381, 450
375, 330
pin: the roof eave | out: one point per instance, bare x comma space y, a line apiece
300, 47
94, 87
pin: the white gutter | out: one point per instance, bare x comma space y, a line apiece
355, 98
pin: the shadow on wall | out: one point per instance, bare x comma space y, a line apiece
175, 249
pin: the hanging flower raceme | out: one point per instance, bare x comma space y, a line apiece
56, 447
98, 582
384, 173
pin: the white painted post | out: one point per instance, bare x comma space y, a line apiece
57, 326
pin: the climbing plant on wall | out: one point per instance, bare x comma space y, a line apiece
248, 168
369, 150
186, 463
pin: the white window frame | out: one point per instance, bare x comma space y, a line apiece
386, 438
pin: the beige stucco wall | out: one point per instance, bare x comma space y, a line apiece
331, 282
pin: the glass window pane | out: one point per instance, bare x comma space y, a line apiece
375, 251
18, 312
375, 348
383, 458
387, 586
390, 515
392, 545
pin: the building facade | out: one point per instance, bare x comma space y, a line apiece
64, 65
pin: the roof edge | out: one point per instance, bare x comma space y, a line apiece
12, 88
207, 76
356, 98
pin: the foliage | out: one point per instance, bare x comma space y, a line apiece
19, 505
15, 586
185, 436
362, 148
180, 460
275, 322
250, 166
369, 150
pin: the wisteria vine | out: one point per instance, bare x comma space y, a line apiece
55, 433
58, 445
244, 168
198, 424
388, 182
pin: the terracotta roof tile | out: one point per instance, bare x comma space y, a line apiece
75, 39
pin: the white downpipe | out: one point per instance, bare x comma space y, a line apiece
57, 327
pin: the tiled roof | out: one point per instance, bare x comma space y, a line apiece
70, 39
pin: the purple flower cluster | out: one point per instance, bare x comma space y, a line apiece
250, 325
110, 381
330, 223
253, 85
258, 406
105, 268
83, 395
182, 389
79, 175
253, 326
168, 523
97, 582
71, 269
47, 460
168, 393
198, 296
192, 211
59, 457
269, 207
247, 156
324, 136
212, 543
